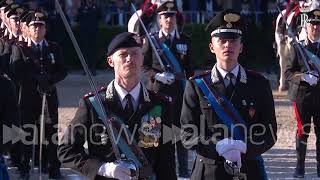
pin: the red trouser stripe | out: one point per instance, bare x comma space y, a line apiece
299, 123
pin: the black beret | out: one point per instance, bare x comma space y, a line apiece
36, 18
124, 40
167, 7
15, 13
227, 24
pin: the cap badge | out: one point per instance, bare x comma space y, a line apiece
13, 6
9, 1
316, 13
19, 11
38, 15
169, 6
137, 39
231, 18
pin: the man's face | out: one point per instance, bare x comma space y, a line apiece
168, 21
37, 31
313, 31
1, 14
24, 29
226, 50
14, 24
127, 62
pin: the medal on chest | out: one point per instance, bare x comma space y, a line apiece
150, 129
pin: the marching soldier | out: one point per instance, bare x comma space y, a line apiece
170, 82
304, 91
88, 18
228, 112
36, 68
133, 108
13, 26
8, 36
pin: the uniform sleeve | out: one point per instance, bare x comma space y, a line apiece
166, 153
71, 152
9, 112
148, 70
189, 66
190, 116
264, 134
60, 70
18, 68
292, 67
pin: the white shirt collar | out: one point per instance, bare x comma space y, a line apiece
234, 71
318, 40
41, 43
135, 93
172, 33
223, 73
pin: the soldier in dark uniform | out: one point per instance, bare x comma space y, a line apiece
9, 36
248, 92
170, 83
304, 91
126, 98
88, 17
3, 4
8, 118
36, 67
14, 27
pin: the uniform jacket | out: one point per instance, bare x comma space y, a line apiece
5, 52
252, 98
9, 115
26, 65
295, 68
152, 65
72, 153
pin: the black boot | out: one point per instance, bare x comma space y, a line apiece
318, 169
301, 149
299, 173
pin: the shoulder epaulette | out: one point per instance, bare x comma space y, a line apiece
20, 43
154, 33
255, 73
52, 43
4, 76
185, 34
90, 94
162, 96
202, 73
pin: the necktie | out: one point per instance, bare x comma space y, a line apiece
128, 109
168, 40
38, 50
230, 86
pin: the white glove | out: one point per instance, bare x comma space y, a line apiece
310, 77
114, 170
165, 77
227, 144
233, 156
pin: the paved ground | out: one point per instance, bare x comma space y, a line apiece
280, 160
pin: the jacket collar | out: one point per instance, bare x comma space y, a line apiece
176, 34
110, 92
215, 75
